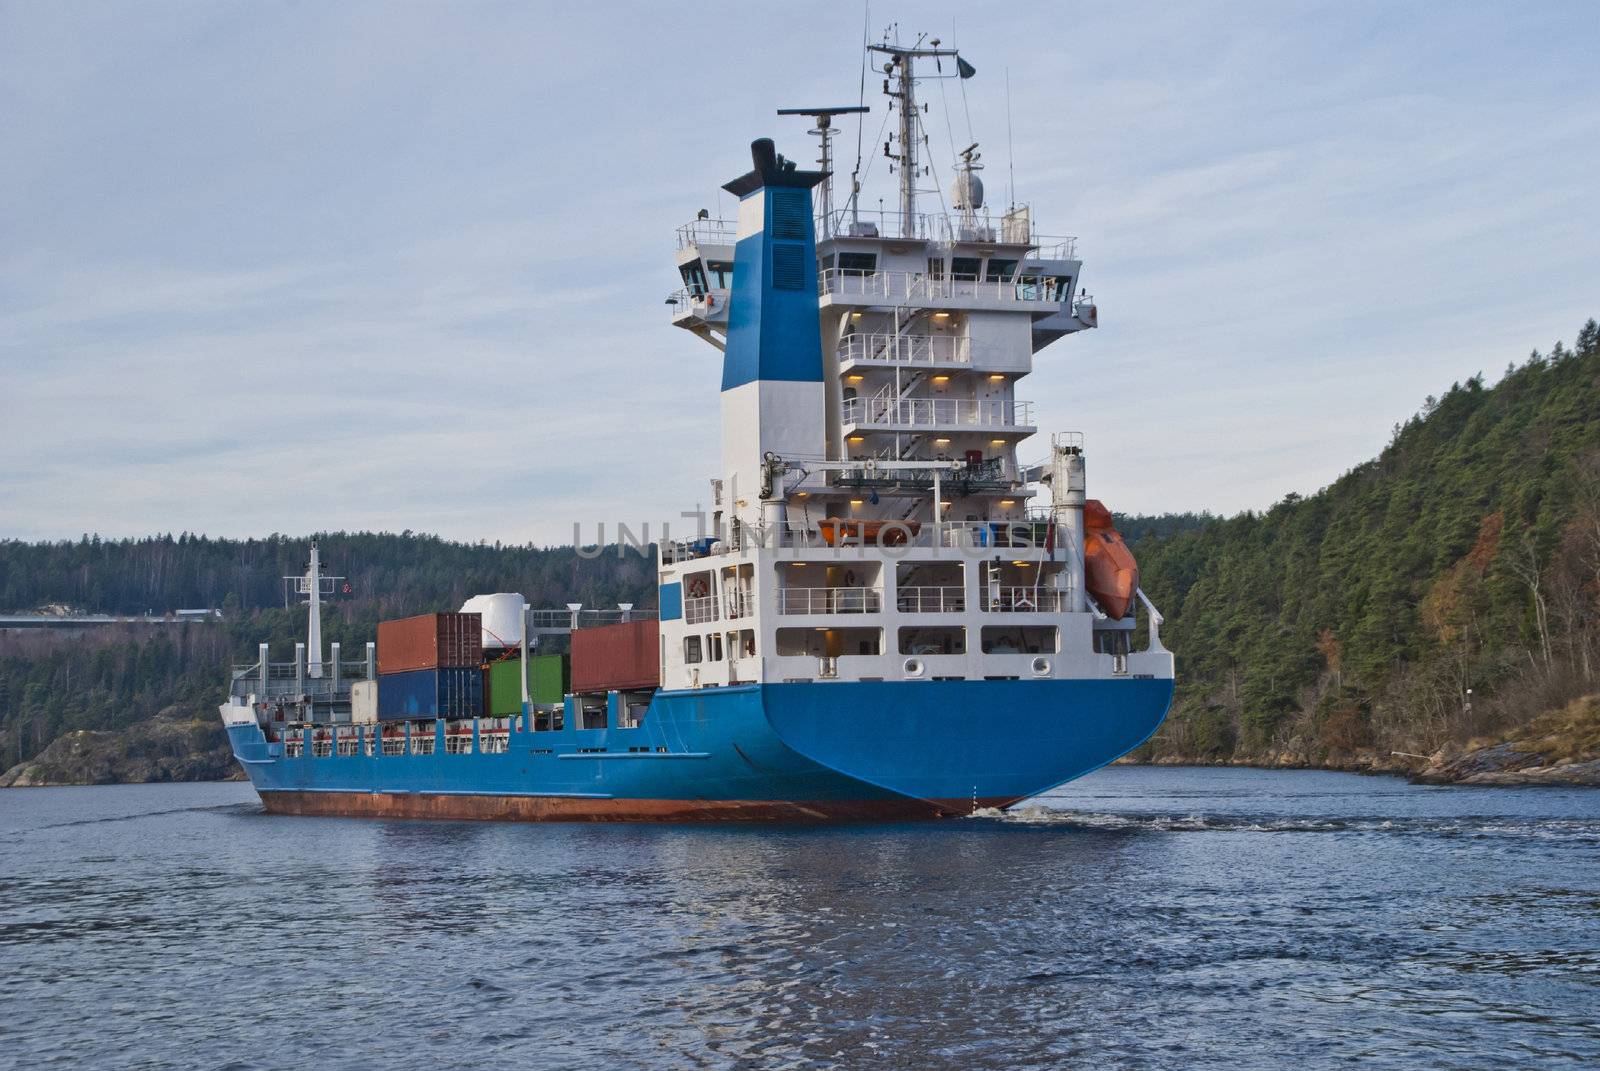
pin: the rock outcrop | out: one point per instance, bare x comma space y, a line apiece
1560, 748
175, 745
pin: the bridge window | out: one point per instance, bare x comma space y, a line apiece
965, 268
858, 263
694, 277
721, 274
1001, 269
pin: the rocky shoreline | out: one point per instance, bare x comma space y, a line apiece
1561, 748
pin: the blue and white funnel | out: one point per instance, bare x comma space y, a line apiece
772, 381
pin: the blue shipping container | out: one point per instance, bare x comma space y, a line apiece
431, 693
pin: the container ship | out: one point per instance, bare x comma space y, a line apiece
887, 615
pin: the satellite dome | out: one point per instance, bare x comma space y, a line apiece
966, 191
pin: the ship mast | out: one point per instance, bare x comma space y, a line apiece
313, 585
899, 66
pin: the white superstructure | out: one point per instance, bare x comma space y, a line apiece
873, 519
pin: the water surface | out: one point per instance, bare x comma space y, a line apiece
1141, 918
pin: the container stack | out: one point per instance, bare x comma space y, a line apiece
616, 657
429, 666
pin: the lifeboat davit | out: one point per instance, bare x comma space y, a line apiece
1110, 573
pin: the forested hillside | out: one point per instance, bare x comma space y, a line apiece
1337, 628
1444, 590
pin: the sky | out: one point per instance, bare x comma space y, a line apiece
294, 267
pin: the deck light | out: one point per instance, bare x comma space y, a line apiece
858, 439
941, 379
856, 501
1023, 565
996, 378
1008, 502
941, 316
855, 379
997, 442
942, 442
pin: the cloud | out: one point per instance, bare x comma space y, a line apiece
293, 267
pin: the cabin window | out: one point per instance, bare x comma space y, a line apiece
1028, 287
936, 267
858, 263
551, 719
965, 268
721, 274
691, 650
944, 640
1001, 269
1030, 639
714, 647
830, 642
742, 644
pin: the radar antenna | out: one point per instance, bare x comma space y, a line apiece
824, 130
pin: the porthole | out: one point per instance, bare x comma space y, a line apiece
914, 667
1041, 667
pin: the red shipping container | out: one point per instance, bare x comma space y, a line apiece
615, 657
430, 641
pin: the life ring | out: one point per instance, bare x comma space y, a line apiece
698, 587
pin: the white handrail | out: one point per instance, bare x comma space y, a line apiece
880, 347
937, 412
829, 601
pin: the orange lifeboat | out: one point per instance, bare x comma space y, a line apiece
1109, 571
870, 533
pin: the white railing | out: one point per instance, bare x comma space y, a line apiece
1021, 600
706, 304
937, 412
1011, 228
698, 611
906, 349
707, 232
829, 601
1052, 247
931, 600
905, 287
394, 745
422, 743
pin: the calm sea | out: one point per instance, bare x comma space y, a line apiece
1143, 918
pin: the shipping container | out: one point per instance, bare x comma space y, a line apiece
502, 683
364, 702
431, 693
549, 681
549, 678
430, 641
624, 655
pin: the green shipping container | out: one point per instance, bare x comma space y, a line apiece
502, 688
549, 681
549, 677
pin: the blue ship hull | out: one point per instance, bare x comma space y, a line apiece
793, 751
